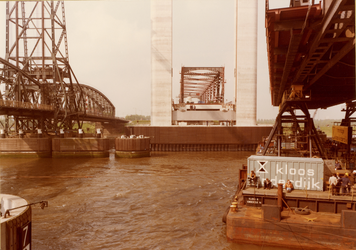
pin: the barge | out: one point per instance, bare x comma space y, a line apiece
308, 217
305, 72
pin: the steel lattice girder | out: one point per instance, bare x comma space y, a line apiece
314, 47
205, 83
36, 73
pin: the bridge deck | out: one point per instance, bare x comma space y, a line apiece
313, 47
27, 109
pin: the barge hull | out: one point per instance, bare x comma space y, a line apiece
242, 227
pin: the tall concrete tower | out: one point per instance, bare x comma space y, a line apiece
161, 62
246, 62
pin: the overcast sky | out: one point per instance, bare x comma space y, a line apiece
109, 48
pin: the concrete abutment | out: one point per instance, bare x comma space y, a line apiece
165, 139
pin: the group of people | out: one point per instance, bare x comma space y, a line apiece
193, 107
267, 184
336, 183
344, 183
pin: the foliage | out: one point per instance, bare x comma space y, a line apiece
137, 118
88, 127
143, 122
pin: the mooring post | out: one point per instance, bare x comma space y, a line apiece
280, 195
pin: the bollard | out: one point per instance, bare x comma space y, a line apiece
233, 208
98, 133
80, 133
61, 133
280, 196
2, 133
39, 133
21, 135
235, 203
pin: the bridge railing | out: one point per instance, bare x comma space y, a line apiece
99, 113
25, 105
38, 106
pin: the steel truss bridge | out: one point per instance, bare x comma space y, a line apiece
311, 50
204, 83
311, 58
38, 87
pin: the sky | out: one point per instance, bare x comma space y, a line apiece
109, 45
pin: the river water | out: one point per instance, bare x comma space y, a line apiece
167, 201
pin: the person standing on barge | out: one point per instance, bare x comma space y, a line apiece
338, 176
352, 177
345, 183
333, 183
350, 184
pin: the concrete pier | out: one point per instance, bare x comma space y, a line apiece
154, 138
25, 147
132, 147
80, 147
161, 65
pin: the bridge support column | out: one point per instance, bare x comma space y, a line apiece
246, 62
7, 128
299, 138
161, 66
41, 123
2, 133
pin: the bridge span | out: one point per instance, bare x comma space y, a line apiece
38, 88
311, 52
311, 59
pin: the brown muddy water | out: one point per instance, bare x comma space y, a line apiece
167, 201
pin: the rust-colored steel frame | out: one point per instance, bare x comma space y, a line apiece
313, 46
204, 83
349, 121
36, 71
301, 128
349, 111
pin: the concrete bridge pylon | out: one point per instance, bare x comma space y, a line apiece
245, 62
161, 65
